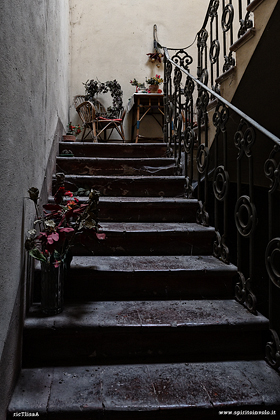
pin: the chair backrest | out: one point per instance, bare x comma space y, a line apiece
86, 112
100, 109
79, 99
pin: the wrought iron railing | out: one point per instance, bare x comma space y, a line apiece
225, 22
232, 166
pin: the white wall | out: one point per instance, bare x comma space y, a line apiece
34, 44
110, 39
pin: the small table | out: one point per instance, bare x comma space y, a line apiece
143, 104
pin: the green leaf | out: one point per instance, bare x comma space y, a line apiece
35, 253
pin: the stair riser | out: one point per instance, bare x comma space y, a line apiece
138, 345
146, 212
116, 167
115, 187
114, 150
149, 243
86, 285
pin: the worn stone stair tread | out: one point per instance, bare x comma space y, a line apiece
133, 160
141, 209
211, 314
165, 391
155, 227
128, 177
128, 185
139, 200
116, 165
157, 264
146, 278
115, 149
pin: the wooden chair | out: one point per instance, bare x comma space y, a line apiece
87, 114
94, 118
103, 123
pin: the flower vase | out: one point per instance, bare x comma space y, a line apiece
52, 288
153, 88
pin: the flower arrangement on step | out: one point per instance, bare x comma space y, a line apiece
55, 232
94, 88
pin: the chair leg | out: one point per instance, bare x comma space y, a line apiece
95, 140
83, 135
122, 133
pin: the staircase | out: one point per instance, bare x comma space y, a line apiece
150, 328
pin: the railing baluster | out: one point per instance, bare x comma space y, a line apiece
240, 10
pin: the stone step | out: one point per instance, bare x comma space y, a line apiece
146, 209
137, 331
157, 277
162, 391
125, 238
128, 186
116, 166
146, 278
119, 150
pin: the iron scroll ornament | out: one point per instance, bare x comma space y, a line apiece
272, 351
245, 24
272, 169
244, 139
272, 258
244, 294
245, 215
227, 17
220, 250
214, 51
183, 59
220, 183
202, 158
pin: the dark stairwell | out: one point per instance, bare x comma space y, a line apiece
151, 327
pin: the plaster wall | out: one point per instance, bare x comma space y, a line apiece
110, 40
34, 45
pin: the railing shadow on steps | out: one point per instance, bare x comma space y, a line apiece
231, 164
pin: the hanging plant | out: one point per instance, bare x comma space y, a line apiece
94, 87
155, 56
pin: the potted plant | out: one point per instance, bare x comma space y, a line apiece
54, 233
72, 132
154, 83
